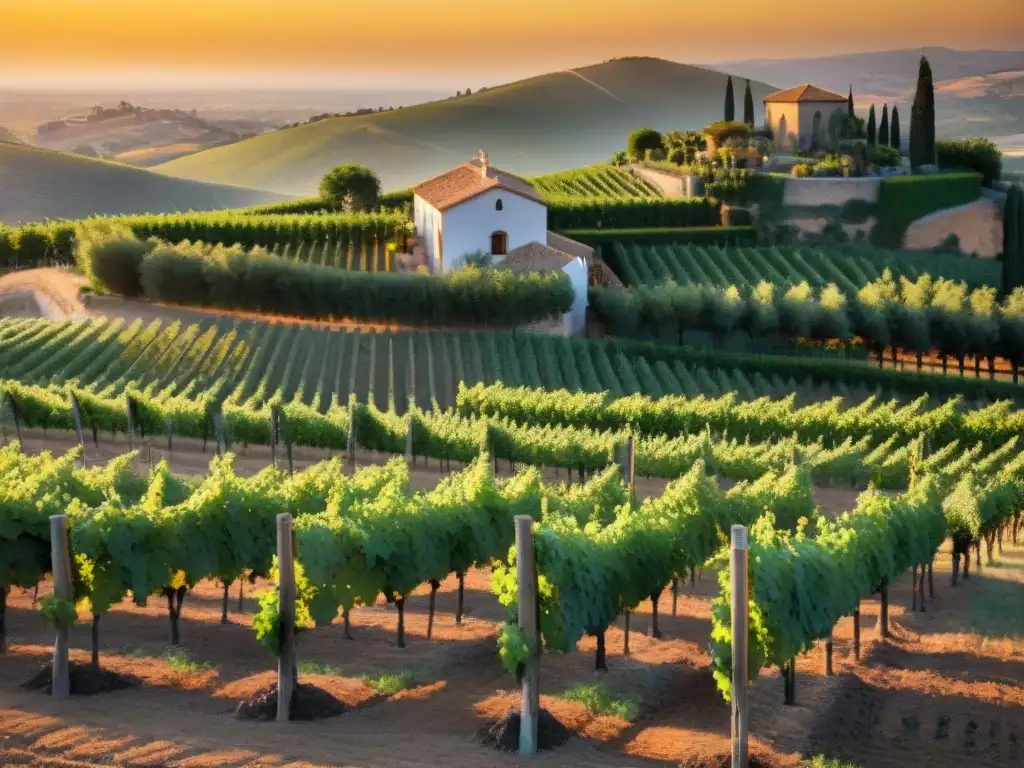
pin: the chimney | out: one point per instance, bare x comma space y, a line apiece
482, 157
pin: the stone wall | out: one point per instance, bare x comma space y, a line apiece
830, 191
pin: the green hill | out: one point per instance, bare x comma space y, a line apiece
40, 184
539, 125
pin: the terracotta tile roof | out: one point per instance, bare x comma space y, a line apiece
572, 247
806, 92
467, 181
535, 257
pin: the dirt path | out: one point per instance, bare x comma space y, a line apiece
58, 287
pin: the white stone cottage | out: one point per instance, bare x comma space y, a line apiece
477, 208
796, 114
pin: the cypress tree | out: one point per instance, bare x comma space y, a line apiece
883, 127
849, 104
872, 126
894, 128
922, 119
748, 106
1013, 240
730, 101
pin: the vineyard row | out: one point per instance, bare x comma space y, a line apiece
599, 551
251, 363
850, 270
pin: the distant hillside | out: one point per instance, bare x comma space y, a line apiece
37, 184
989, 105
879, 73
539, 125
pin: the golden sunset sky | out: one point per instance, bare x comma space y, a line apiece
444, 37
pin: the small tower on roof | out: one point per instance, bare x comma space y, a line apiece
482, 157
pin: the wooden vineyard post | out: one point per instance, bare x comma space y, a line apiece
627, 462
275, 433
350, 448
60, 564
11, 406
218, 431
828, 655
883, 616
738, 574
526, 573
913, 588
169, 431
76, 413
856, 633
920, 589
625, 635
789, 675
130, 416
286, 611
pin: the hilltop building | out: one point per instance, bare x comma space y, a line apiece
476, 209
798, 116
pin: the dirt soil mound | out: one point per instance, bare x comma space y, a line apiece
308, 703
86, 680
503, 734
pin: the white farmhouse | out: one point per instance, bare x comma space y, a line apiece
479, 209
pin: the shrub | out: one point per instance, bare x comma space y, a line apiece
602, 212
677, 155
33, 243
351, 183
111, 257
978, 155
884, 156
656, 155
727, 129
801, 171
230, 277
641, 140
304, 205
949, 244
598, 238
8, 248
397, 199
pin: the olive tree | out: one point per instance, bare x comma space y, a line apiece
351, 184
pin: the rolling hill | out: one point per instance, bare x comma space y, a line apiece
38, 184
539, 125
879, 73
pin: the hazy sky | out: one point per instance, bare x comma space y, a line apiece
480, 42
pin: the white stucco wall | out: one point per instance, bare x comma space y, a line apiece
800, 120
428, 222
575, 320
468, 226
